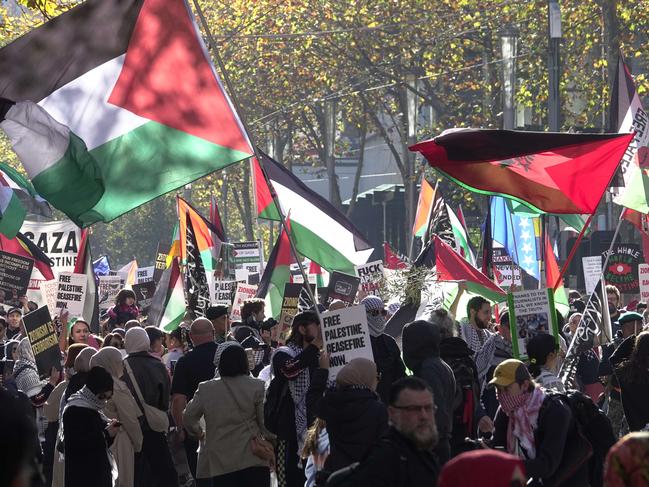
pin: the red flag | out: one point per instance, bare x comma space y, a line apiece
391, 260
553, 173
641, 222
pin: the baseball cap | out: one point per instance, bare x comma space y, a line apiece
508, 372
15, 310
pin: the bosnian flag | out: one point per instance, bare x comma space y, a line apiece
320, 232
116, 103
627, 115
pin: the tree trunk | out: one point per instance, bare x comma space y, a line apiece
611, 44
359, 168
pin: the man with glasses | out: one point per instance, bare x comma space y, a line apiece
405, 455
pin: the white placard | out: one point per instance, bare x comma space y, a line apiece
144, 274
592, 269
346, 337
71, 293
372, 277
49, 290
222, 292
109, 287
643, 276
533, 316
244, 291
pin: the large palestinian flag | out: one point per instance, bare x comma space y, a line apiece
276, 274
129, 106
554, 173
320, 232
168, 305
628, 115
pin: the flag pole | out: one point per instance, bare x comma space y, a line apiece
518, 261
235, 102
573, 251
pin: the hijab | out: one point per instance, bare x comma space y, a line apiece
358, 372
136, 340
109, 358
486, 468
82, 360
420, 340
219, 351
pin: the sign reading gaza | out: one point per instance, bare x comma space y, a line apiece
346, 337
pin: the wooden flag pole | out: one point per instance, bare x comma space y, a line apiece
237, 106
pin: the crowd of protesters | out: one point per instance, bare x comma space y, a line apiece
215, 403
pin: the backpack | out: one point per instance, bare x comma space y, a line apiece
594, 425
276, 395
467, 396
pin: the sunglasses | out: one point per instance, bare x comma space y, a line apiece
375, 312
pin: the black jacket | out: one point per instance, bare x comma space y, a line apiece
634, 386
389, 365
152, 378
556, 438
356, 419
395, 462
86, 445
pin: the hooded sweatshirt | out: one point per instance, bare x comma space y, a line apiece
421, 353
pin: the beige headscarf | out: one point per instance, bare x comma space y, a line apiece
136, 340
109, 358
358, 372
82, 361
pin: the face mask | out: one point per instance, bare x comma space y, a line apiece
510, 403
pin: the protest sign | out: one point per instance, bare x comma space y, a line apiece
248, 256
71, 293
296, 299
223, 292
160, 265
530, 315
144, 292
346, 337
296, 273
15, 271
244, 291
109, 287
343, 287
643, 274
144, 274
592, 269
622, 267
49, 289
59, 240
41, 333
371, 276
505, 271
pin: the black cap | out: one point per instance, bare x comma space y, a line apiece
15, 310
214, 312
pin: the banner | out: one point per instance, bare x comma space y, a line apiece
71, 293
248, 256
592, 269
371, 276
622, 268
15, 272
144, 292
109, 287
244, 291
59, 240
144, 274
643, 274
346, 337
41, 333
343, 287
530, 313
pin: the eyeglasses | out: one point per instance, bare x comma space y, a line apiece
425, 408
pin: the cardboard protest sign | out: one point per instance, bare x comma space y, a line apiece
223, 292
160, 265
371, 276
592, 266
643, 274
144, 292
343, 287
296, 299
71, 294
49, 289
109, 287
346, 337
248, 256
41, 332
622, 268
244, 291
15, 271
144, 274
530, 313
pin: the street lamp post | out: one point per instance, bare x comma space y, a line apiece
508, 48
554, 44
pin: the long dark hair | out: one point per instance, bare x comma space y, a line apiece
122, 295
638, 364
538, 349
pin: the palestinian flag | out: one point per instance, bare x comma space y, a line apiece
12, 212
216, 221
29, 198
628, 115
21, 245
462, 243
316, 270
206, 246
129, 106
174, 250
84, 266
391, 260
276, 274
320, 232
552, 276
451, 267
551, 172
168, 304
424, 208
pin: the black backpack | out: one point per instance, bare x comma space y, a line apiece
276, 395
594, 425
467, 395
